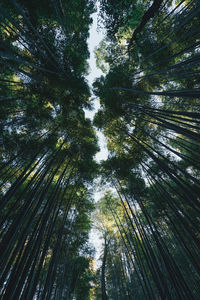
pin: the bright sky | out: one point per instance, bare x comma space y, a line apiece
93, 41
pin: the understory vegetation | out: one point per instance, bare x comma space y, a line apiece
149, 215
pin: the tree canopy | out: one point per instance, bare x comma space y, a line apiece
148, 217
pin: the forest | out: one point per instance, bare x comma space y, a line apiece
148, 218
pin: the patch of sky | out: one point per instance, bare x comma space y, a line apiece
94, 39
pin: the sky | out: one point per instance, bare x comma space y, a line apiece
93, 41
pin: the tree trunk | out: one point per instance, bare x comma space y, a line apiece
149, 14
103, 280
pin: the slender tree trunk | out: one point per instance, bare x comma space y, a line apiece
103, 268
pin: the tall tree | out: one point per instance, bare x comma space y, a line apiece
47, 149
150, 117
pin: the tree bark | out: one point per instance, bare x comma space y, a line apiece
103, 268
149, 14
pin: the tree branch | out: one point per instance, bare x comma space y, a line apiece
149, 14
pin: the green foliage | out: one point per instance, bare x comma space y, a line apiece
149, 215
47, 149
151, 124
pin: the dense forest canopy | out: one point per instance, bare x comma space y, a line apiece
148, 218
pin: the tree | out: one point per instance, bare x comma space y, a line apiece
47, 150
149, 115
149, 217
